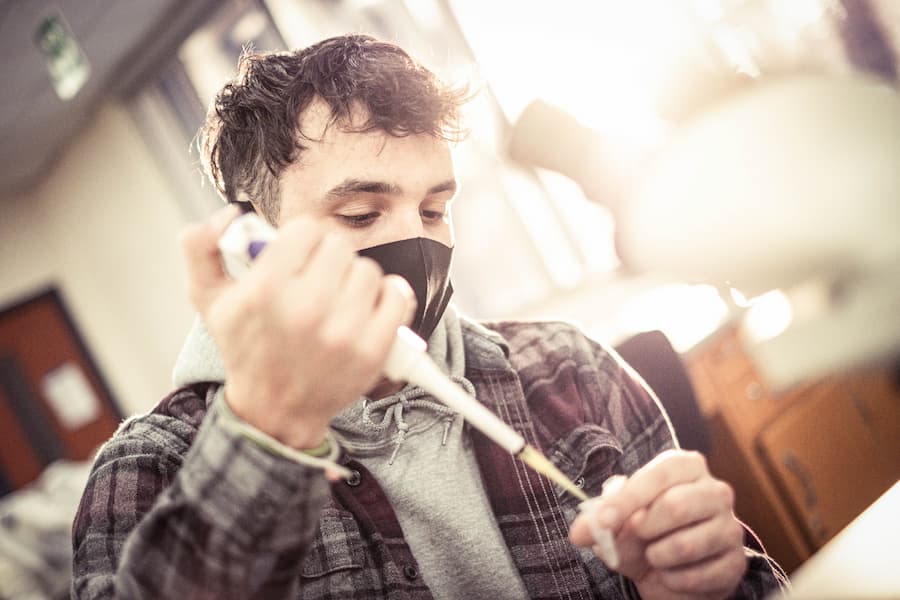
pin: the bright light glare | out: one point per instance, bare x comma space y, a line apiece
685, 313
248, 27
738, 297
207, 67
801, 13
768, 316
599, 61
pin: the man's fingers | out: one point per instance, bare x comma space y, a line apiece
666, 470
206, 276
328, 266
695, 543
580, 532
716, 576
354, 301
287, 254
683, 504
412, 304
391, 308
362, 286
394, 302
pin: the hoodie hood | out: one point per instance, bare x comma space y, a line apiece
199, 359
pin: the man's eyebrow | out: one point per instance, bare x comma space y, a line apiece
445, 186
350, 187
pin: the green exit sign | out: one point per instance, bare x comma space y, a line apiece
66, 63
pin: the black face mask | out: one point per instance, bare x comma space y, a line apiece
425, 264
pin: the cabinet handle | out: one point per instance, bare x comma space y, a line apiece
795, 466
818, 528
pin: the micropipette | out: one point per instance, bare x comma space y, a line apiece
407, 360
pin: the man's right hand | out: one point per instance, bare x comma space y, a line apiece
304, 333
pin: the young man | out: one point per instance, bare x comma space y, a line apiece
218, 492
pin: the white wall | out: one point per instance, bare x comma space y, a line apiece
103, 227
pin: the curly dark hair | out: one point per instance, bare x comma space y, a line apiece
251, 134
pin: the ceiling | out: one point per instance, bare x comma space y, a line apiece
127, 41
124, 41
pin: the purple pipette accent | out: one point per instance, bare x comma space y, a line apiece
255, 248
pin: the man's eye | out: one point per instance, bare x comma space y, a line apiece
359, 220
433, 215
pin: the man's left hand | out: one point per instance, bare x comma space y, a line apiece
674, 529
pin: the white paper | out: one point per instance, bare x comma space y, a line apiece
70, 396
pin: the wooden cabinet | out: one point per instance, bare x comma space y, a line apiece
834, 452
805, 462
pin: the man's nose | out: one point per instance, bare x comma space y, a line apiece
407, 224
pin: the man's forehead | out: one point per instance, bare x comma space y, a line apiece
349, 142
338, 160
317, 120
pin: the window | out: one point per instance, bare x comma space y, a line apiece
528, 242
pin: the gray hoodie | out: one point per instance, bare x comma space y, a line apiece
420, 454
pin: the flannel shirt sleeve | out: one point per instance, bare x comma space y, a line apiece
639, 412
223, 519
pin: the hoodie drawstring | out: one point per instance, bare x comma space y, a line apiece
414, 397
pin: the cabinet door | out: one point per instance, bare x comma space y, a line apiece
836, 451
876, 397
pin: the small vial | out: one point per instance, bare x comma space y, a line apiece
604, 543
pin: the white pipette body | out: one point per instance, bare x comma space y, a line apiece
407, 360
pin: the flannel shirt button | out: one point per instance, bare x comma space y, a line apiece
410, 572
354, 479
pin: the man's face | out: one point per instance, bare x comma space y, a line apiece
371, 187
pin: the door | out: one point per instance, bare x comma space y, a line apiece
53, 401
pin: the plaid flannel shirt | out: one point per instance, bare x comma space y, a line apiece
178, 506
